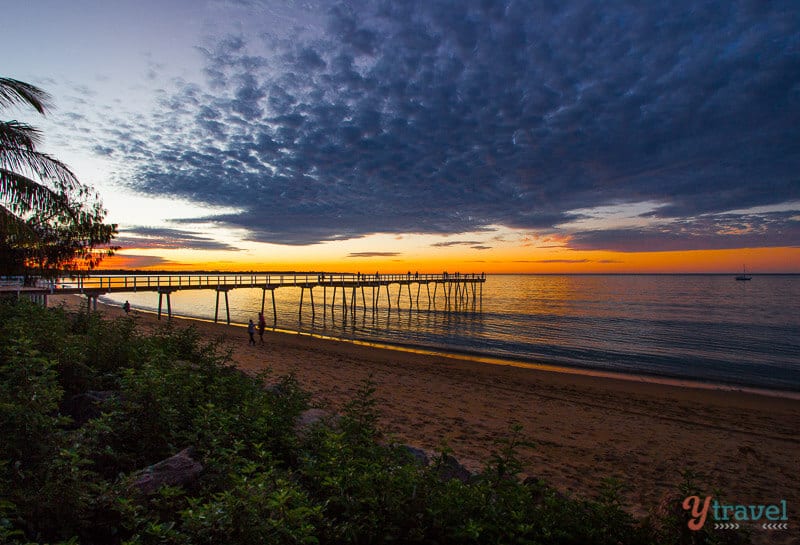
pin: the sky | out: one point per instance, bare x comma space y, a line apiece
426, 135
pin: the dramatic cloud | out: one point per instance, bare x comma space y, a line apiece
166, 238
450, 116
723, 231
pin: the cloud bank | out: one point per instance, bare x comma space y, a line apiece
455, 115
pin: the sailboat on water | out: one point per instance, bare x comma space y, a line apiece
744, 276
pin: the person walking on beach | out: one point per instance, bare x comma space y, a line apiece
251, 330
262, 325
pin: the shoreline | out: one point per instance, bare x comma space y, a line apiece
585, 428
666, 380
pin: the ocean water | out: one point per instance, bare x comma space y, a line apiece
709, 328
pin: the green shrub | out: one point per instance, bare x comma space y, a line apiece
73, 482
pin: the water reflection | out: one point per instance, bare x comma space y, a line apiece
692, 326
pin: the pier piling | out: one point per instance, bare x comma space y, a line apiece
460, 293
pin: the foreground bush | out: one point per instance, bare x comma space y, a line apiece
76, 479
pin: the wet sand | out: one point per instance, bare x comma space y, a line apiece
585, 428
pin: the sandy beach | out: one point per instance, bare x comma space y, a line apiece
585, 428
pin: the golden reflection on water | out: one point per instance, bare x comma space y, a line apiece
692, 327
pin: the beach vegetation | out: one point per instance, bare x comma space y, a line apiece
49, 221
242, 470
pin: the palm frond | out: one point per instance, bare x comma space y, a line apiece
23, 195
13, 229
15, 135
38, 165
15, 92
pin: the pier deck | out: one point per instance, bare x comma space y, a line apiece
457, 289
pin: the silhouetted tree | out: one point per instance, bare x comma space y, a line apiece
49, 222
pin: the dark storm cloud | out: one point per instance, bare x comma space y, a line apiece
166, 238
452, 116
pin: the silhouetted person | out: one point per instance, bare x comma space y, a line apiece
126, 307
251, 330
262, 325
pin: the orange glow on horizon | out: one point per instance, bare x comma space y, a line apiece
507, 260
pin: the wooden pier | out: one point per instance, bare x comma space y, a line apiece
458, 292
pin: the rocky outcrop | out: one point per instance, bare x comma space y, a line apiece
449, 468
417, 455
445, 465
178, 470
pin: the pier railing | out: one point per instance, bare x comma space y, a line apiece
137, 282
456, 288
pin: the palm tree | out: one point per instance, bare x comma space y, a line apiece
23, 170
48, 219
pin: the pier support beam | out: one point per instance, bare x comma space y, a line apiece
161, 293
300, 310
91, 302
216, 309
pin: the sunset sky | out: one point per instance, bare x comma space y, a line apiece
429, 135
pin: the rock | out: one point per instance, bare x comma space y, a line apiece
277, 389
178, 470
449, 468
419, 456
86, 406
309, 418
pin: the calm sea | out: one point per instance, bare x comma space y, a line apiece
701, 327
